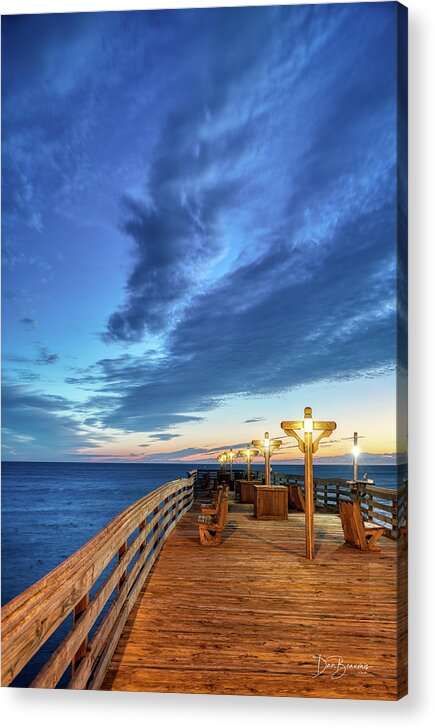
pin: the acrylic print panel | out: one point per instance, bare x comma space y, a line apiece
204, 349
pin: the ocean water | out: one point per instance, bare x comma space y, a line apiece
386, 476
49, 510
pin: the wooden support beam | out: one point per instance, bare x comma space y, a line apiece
78, 611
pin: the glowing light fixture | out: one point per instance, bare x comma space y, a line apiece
308, 424
355, 452
267, 447
231, 456
248, 453
222, 459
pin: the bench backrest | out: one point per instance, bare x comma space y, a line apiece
222, 513
296, 497
219, 493
352, 522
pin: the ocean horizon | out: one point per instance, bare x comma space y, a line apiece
49, 510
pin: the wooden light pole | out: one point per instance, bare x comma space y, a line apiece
308, 447
222, 459
248, 453
267, 447
231, 456
355, 452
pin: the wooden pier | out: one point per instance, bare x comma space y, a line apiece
252, 617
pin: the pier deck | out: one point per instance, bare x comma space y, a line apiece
250, 617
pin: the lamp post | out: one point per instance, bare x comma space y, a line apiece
308, 447
267, 447
222, 459
355, 453
248, 453
231, 455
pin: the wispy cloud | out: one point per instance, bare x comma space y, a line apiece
47, 357
212, 151
47, 423
28, 322
174, 456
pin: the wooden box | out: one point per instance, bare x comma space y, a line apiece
271, 502
247, 490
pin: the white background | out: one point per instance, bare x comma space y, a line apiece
39, 708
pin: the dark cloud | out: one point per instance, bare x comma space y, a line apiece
164, 436
28, 322
175, 237
17, 359
254, 419
314, 299
26, 376
39, 426
330, 329
175, 455
198, 176
47, 357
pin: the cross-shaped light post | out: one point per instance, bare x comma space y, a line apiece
267, 447
248, 453
355, 453
308, 447
231, 455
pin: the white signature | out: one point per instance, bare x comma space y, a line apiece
336, 667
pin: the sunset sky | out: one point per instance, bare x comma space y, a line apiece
199, 231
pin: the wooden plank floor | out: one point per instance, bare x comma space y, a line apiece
250, 617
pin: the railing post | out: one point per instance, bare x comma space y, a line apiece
122, 551
141, 528
78, 610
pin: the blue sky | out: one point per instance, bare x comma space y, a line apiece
199, 229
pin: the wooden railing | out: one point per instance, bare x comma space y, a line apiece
384, 506
134, 538
212, 474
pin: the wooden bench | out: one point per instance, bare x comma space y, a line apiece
211, 509
296, 497
212, 527
357, 533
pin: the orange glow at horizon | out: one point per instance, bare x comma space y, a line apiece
366, 406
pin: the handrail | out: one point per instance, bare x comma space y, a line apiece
383, 506
30, 618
